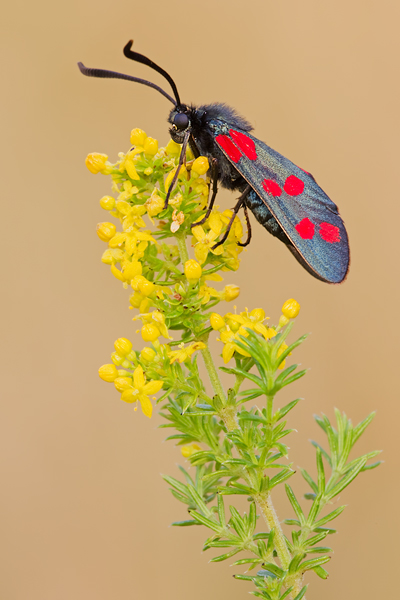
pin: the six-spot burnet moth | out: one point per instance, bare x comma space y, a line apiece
284, 198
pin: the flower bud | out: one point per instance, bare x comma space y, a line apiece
150, 332
192, 270
150, 146
231, 292
216, 321
190, 449
108, 373
123, 383
201, 165
291, 308
106, 231
148, 354
107, 202
96, 162
146, 287
123, 346
138, 137
148, 171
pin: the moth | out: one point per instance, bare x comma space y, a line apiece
284, 198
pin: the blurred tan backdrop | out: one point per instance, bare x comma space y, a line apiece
319, 80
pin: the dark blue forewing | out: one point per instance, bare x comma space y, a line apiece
309, 218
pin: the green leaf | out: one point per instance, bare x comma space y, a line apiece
184, 523
320, 571
295, 505
204, 521
315, 562
225, 556
361, 427
181, 487
323, 452
221, 510
285, 409
332, 515
309, 480
372, 466
321, 471
280, 477
344, 482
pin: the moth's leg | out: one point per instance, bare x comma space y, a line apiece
247, 242
214, 177
182, 160
236, 209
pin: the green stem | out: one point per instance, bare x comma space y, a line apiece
183, 252
212, 373
271, 518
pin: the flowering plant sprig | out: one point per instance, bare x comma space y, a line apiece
233, 447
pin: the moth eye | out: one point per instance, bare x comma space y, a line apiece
181, 121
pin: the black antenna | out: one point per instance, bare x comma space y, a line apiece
146, 61
102, 73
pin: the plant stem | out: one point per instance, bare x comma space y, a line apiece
183, 253
212, 373
271, 518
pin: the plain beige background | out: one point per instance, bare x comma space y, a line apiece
319, 80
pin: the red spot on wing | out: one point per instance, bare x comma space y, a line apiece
305, 229
226, 144
245, 143
329, 233
271, 187
293, 186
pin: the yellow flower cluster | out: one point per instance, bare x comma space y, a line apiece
205, 237
131, 385
233, 325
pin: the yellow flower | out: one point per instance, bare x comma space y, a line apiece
184, 353
148, 354
139, 301
131, 269
107, 202
171, 175
192, 270
216, 321
173, 149
138, 137
190, 449
96, 163
108, 373
206, 292
123, 346
106, 231
140, 390
231, 292
204, 243
150, 332
201, 165
154, 205
150, 146
291, 308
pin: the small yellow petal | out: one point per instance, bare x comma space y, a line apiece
147, 407
138, 378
